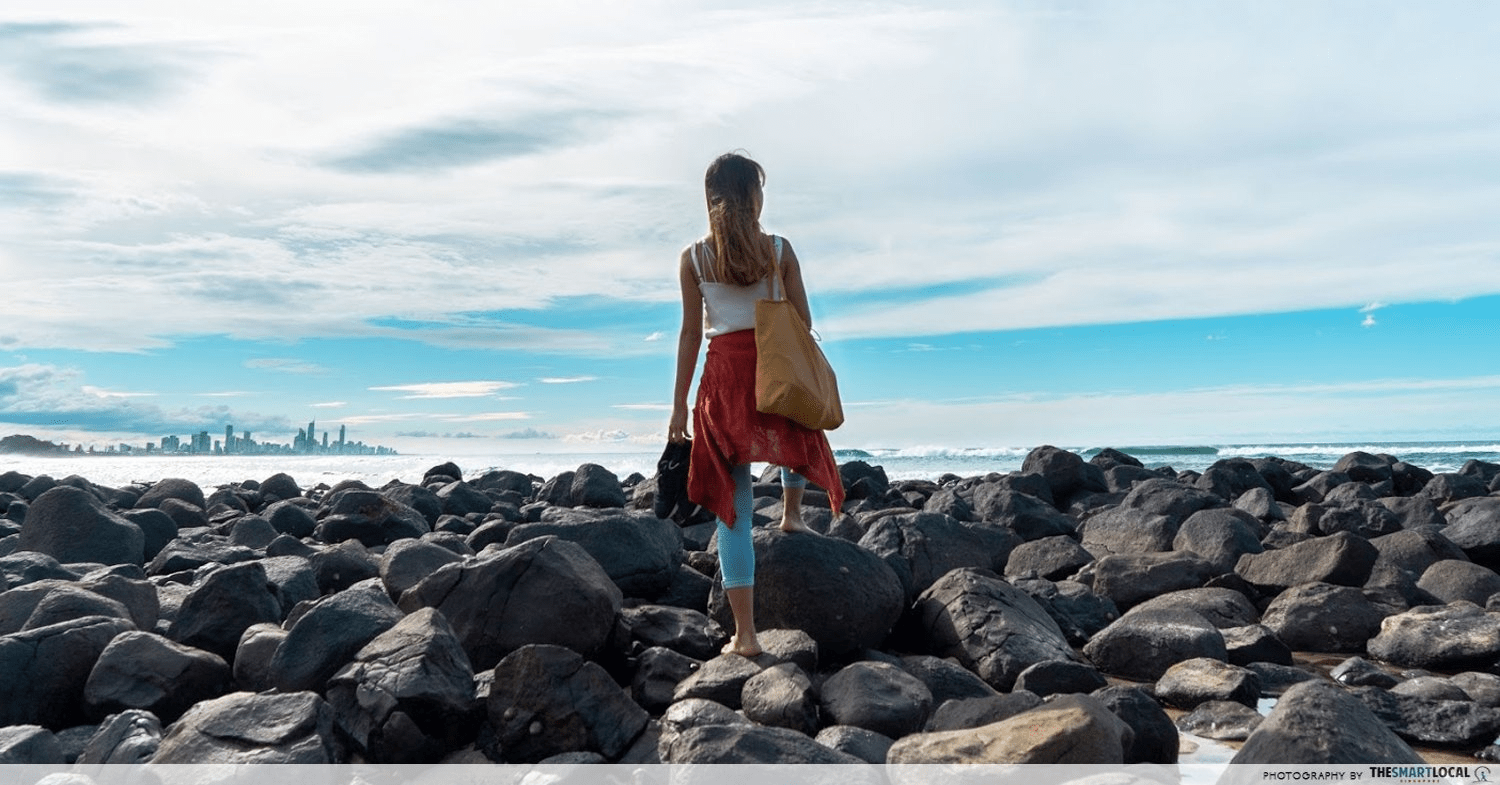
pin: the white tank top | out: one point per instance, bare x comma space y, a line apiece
728, 307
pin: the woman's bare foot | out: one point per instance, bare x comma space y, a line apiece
748, 649
795, 525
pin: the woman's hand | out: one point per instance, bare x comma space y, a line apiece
677, 429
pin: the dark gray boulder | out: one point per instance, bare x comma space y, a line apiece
922, 547
1445, 488
949, 502
43, 671
1189, 683
222, 606
249, 728
1360, 672
293, 579
503, 481
688, 632
1343, 559
1365, 517
1431, 688
1066, 472
461, 499
184, 514
945, 679
1029, 517
328, 634
130, 737
1482, 688
157, 527
1155, 738
1319, 723
1169, 498
548, 699
1219, 536
72, 525
340, 566
1261, 504
1323, 617
1222, 607
1452, 580
145, 671
369, 517
1414, 550
289, 517
1473, 525
1049, 558
866, 745
1142, 645
991, 627
658, 671
876, 696
492, 601
408, 695
1221, 720
859, 596
1449, 637
1364, 467
252, 658
1442, 723
595, 486
1078, 611
23, 567
1229, 478
639, 551
189, 552
29, 745
721, 679
66, 602
281, 486
172, 488
1060, 677
782, 696
1254, 643
960, 713
1122, 530
1130, 579
252, 531
406, 562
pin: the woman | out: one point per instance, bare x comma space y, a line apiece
722, 276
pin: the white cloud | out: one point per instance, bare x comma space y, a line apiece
285, 365
656, 336
98, 392
644, 407
330, 405
566, 379
479, 389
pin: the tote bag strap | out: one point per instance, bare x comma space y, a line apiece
777, 292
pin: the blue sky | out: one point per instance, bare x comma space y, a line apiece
453, 227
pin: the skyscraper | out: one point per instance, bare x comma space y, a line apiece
229, 439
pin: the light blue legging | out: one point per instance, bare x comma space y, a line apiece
736, 554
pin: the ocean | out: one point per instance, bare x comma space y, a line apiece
899, 463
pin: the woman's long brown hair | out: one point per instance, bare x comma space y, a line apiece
741, 254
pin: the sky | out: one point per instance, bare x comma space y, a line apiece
453, 227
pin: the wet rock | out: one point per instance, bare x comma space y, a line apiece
1143, 645
989, 626
220, 608
1221, 720
1323, 617
1343, 559
245, 727
1318, 723
408, 695
781, 696
639, 552
1078, 611
72, 525
1453, 580
1359, 672
1130, 579
328, 634
1075, 729
548, 699
492, 601
1192, 682
1155, 738
922, 547
878, 697
945, 679
43, 671
145, 671
1450, 637
1432, 688
859, 596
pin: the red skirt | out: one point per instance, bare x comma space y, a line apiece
728, 431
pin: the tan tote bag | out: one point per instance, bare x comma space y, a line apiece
792, 377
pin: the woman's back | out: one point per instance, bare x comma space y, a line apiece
727, 307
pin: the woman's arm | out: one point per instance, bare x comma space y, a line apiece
791, 274
689, 341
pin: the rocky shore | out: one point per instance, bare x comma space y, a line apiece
1072, 612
